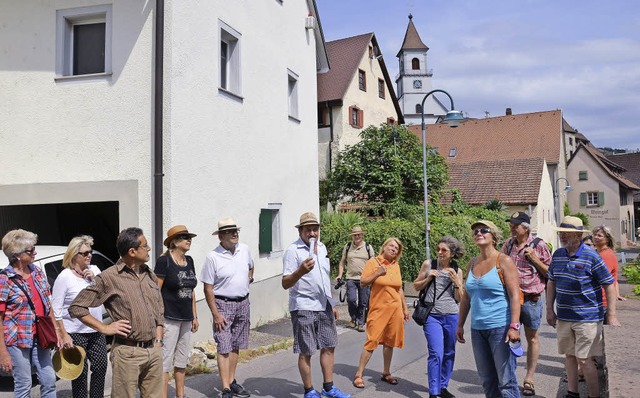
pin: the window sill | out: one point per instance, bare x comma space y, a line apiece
89, 76
294, 119
229, 94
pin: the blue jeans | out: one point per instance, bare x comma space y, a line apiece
496, 365
531, 313
440, 331
357, 300
23, 359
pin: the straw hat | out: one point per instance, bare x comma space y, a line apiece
175, 231
489, 224
308, 218
357, 231
226, 224
571, 224
69, 362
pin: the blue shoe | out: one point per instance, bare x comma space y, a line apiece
335, 393
312, 394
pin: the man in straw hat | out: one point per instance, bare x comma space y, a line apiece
575, 276
130, 294
313, 313
226, 274
356, 253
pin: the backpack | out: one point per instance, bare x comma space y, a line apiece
366, 246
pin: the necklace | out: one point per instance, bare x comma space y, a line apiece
182, 262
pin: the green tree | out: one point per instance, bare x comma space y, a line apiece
385, 167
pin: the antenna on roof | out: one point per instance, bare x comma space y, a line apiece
487, 114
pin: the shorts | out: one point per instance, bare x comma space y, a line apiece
235, 336
175, 349
313, 330
580, 339
531, 313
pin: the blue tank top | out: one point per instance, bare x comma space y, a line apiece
489, 305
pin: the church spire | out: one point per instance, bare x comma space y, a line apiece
412, 40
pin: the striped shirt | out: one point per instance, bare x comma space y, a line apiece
579, 280
125, 295
530, 279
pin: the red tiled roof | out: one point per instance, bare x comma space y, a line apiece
522, 136
344, 56
412, 40
631, 164
481, 181
611, 169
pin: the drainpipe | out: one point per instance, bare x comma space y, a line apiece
157, 128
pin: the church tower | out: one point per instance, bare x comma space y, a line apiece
414, 80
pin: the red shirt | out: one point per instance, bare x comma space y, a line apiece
610, 260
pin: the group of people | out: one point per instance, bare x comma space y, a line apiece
153, 312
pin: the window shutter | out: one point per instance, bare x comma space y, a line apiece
360, 118
583, 199
351, 116
600, 199
265, 238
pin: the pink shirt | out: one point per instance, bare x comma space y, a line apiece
531, 282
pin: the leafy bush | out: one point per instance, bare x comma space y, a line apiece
632, 272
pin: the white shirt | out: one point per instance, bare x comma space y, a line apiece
65, 289
313, 290
228, 272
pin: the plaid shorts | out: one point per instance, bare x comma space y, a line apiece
313, 330
236, 335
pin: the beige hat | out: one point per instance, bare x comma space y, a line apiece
489, 224
571, 224
308, 218
226, 224
356, 231
68, 363
176, 230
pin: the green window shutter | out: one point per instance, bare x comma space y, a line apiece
582, 175
583, 199
265, 243
600, 199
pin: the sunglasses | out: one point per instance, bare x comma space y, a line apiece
231, 232
184, 237
483, 230
30, 251
86, 254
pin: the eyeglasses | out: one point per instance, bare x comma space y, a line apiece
231, 232
30, 251
483, 230
184, 237
86, 254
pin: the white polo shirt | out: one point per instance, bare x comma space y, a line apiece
228, 272
313, 290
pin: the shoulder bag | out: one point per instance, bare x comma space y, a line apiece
45, 330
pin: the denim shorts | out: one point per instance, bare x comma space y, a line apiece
531, 313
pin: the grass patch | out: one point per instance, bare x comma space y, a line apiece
247, 355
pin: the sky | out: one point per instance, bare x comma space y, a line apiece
582, 57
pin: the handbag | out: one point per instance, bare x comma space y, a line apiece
422, 308
45, 330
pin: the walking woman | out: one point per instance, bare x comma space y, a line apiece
603, 242
21, 282
387, 309
177, 279
443, 280
78, 273
494, 301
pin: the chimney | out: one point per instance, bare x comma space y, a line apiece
509, 113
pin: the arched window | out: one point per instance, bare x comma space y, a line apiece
415, 64
418, 108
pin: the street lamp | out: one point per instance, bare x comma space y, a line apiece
557, 196
453, 119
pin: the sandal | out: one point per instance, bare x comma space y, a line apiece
358, 382
389, 379
528, 389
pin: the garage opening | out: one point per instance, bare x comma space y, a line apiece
57, 223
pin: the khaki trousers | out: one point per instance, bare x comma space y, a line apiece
134, 368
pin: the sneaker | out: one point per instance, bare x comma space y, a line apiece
444, 393
335, 393
238, 390
360, 328
312, 394
226, 393
352, 325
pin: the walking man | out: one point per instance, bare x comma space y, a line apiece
313, 314
532, 258
356, 253
226, 274
130, 294
576, 276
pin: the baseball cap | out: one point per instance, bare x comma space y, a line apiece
516, 348
519, 217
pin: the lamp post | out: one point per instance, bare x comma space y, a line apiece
453, 119
568, 187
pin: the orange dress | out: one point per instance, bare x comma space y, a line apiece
385, 321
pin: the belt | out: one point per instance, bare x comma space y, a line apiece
134, 343
233, 299
531, 297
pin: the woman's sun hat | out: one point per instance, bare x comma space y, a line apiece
68, 363
571, 224
177, 230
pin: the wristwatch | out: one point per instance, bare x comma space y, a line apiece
515, 326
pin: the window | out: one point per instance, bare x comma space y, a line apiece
418, 108
381, 92
362, 80
582, 175
355, 117
83, 41
293, 95
570, 141
592, 199
269, 229
370, 51
322, 116
452, 152
415, 64
623, 197
229, 59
